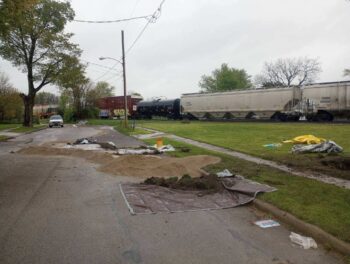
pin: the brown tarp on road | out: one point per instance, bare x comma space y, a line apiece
149, 199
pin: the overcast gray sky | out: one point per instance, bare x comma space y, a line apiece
191, 38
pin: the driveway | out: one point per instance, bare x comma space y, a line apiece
62, 210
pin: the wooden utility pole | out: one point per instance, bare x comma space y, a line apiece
124, 80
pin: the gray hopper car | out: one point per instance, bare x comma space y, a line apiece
321, 102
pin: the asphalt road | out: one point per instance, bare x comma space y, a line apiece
61, 210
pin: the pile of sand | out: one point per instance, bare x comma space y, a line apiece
136, 165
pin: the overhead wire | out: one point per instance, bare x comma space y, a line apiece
112, 21
153, 19
150, 19
98, 65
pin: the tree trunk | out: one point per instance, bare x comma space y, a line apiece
28, 101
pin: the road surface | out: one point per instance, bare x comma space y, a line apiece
62, 210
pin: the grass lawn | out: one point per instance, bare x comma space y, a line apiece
250, 137
3, 138
23, 129
321, 204
119, 125
8, 126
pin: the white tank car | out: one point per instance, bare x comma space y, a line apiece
325, 101
276, 103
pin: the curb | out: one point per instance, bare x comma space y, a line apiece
29, 132
308, 229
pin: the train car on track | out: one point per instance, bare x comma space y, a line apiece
276, 103
169, 109
113, 107
316, 102
326, 101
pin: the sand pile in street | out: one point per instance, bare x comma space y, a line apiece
135, 165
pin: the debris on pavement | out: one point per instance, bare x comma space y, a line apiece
165, 148
190, 194
142, 166
325, 147
267, 223
84, 141
224, 173
304, 242
148, 150
208, 183
272, 145
139, 151
305, 139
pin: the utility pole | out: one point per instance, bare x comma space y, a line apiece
124, 80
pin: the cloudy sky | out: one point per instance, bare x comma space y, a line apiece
191, 38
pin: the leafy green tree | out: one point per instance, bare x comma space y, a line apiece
32, 37
102, 89
45, 98
73, 79
225, 79
11, 105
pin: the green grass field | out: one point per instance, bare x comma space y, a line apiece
3, 138
8, 126
23, 129
250, 137
321, 204
18, 128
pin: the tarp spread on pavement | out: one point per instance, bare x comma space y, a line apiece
149, 199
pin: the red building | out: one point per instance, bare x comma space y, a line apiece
114, 106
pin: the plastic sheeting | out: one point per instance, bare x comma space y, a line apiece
149, 199
305, 139
325, 147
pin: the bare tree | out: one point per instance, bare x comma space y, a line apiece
288, 72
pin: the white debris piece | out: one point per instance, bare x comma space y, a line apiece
305, 242
136, 151
267, 223
112, 144
85, 141
224, 173
165, 148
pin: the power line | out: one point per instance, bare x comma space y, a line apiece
112, 21
99, 65
150, 19
107, 72
153, 19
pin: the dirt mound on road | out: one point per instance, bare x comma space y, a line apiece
135, 165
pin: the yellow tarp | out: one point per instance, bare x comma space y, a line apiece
305, 139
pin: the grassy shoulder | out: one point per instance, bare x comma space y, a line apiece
250, 137
3, 138
23, 129
321, 204
8, 126
119, 125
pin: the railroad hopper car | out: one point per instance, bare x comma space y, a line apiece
114, 106
276, 103
326, 101
159, 108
